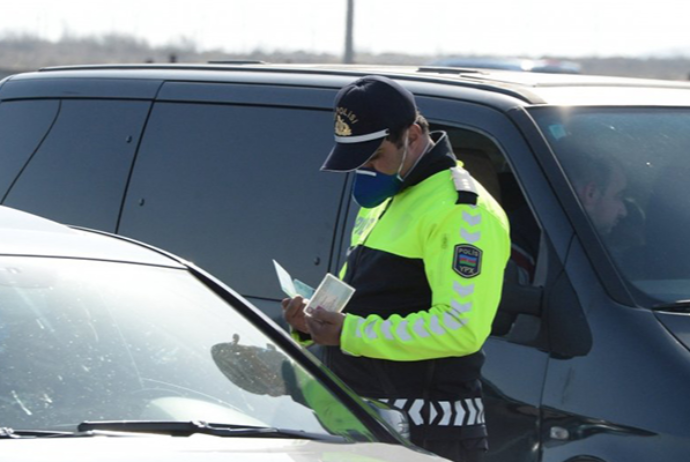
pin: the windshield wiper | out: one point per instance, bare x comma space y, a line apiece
679, 306
174, 428
11, 433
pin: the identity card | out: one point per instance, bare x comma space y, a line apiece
332, 295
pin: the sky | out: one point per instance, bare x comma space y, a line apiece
525, 28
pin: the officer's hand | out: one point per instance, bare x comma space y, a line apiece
325, 327
293, 312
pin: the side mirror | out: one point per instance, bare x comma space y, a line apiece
549, 318
517, 300
394, 417
519, 297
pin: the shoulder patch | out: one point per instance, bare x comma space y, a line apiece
467, 260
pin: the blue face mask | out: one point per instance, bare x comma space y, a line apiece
371, 188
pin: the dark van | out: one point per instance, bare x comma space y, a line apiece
588, 359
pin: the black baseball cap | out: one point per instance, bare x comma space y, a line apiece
366, 111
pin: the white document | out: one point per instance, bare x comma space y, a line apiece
285, 280
332, 294
292, 287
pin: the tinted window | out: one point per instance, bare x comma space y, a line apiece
78, 174
629, 169
233, 187
23, 124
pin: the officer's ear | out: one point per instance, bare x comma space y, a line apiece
415, 135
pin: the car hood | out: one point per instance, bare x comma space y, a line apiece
198, 448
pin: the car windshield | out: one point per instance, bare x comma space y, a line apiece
92, 340
630, 170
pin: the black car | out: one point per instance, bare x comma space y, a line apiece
588, 359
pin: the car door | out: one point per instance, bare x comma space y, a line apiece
619, 398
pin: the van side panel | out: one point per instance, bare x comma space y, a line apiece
233, 187
79, 173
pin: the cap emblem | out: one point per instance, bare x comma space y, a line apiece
341, 127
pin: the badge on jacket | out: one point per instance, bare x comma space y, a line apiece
468, 260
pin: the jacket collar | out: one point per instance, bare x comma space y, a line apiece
440, 157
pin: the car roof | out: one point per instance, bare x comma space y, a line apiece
503, 88
24, 234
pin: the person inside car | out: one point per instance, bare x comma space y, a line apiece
599, 182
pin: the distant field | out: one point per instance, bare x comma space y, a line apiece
18, 54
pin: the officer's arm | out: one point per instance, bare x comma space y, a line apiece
465, 255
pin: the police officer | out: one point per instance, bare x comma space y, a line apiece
428, 253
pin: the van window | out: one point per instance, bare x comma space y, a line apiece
629, 169
23, 124
78, 174
234, 187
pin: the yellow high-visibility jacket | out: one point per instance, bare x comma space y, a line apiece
427, 266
